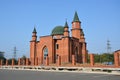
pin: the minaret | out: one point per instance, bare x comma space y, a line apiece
76, 27
66, 44
33, 47
78, 33
66, 30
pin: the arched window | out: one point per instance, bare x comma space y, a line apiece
45, 52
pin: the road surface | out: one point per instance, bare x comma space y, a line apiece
43, 75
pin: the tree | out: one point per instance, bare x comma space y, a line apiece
2, 57
97, 58
23, 57
104, 58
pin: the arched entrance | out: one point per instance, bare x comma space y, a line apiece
45, 54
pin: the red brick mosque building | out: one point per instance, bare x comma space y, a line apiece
60, 48
60, 43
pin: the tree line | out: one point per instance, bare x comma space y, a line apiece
103, 58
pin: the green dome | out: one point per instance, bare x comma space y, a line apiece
57, 30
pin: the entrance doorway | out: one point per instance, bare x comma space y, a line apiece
45, 54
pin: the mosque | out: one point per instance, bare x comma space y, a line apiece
60, 43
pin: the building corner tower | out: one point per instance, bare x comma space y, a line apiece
33, 47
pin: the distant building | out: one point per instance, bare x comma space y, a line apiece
60, 43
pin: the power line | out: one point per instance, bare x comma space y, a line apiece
14, 52
108, 47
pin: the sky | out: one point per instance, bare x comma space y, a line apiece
100, 22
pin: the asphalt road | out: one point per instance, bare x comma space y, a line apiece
38, 75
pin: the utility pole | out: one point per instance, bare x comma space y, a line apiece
108, 50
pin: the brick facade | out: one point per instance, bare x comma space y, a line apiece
59, 61
73, 60
19, 61
92, 59
117, 58
27, 61
13, 62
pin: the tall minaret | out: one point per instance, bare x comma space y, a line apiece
78, 33
33, 46
66, 43
76, 26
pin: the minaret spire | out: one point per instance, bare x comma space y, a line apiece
66, 29
34, 30
76, 18
34, 36
66, 24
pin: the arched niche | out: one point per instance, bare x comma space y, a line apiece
45, 52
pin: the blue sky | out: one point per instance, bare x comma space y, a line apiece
100, 21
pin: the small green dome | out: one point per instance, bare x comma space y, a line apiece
57, 30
